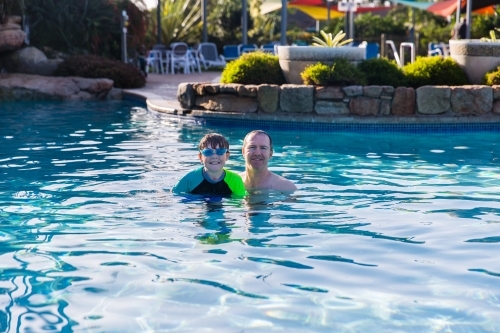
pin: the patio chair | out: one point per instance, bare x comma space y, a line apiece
231, 52
441, 49
165, 58
179, 57
194, 60
209, 56
269, 48
154, 61
245, 48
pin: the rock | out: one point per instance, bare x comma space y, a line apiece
10, 26
353, 91
199, 88
29, 60
249, 90
115, 94
364, 106
471, 100
372, 91
36, 87
331, 108
227, 103
186, 95
268, 97
297, 98
323, 92
433, 99
403, 103
231, 88
11, 40
496, 107
385, 107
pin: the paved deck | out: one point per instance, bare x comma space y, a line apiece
161, 89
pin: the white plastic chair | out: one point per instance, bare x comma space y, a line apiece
154, 60
209, 56
194, 60
179, 57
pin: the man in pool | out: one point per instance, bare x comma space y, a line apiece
211, 178
257, 151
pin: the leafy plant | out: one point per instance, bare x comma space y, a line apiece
8, 7
329, 40
382, 71
90, 66
493, 37
179, 21
254, 68
492, 77
434, 71
341, 73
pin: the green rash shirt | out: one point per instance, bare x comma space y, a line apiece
195, 183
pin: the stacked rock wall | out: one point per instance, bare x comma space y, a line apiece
375, 101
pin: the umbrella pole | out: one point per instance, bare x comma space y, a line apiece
459, 4
469, 18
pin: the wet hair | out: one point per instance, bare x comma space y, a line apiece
213, 140
259, 132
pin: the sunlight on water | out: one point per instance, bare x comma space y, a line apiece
388, 232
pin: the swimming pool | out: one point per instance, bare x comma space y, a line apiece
387, 232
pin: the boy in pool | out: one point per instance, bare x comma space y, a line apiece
211, 178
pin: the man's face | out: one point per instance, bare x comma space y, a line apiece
215, 162
257, 151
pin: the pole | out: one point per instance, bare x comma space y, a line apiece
204, 19
351, 21
123, 21
283, 22
158, 20
459, 5
244, 22
328, 12
468, 11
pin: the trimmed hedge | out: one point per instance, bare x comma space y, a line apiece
254, 68
341, 73
123, 75
434, 71
382, 72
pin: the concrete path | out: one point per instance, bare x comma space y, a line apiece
161, 89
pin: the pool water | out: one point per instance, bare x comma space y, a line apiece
388, 232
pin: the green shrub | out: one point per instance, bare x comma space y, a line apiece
90, 66
254, 68
434, 71
341, 73
492, 77
382, 72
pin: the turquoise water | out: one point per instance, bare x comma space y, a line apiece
388, 232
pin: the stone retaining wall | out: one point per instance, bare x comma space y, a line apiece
378, 101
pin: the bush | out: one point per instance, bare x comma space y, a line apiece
434, 71
89, 66
341, 73
254, 68
382, 72
492, 77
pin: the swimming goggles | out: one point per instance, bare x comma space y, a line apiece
207, 152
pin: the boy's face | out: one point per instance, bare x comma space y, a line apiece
215, 162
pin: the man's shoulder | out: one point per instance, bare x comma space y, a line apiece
280, 183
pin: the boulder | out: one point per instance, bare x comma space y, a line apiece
29, 60
297, 98
36, 87
11, 40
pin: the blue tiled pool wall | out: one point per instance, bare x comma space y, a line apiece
345, 127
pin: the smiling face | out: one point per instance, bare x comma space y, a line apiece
213, 164
257, 151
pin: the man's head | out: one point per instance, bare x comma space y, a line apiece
258, 132
257, 149
214, 152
